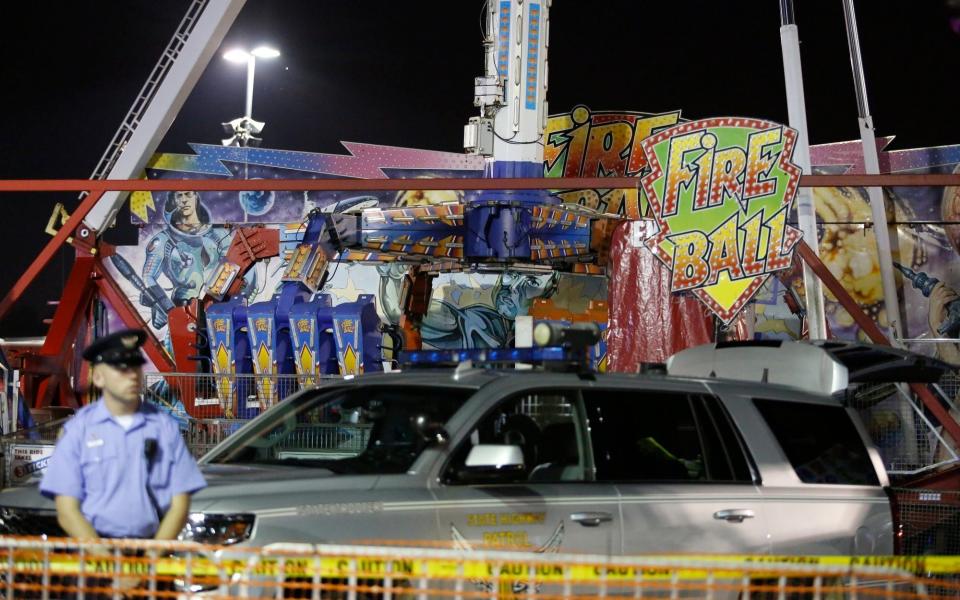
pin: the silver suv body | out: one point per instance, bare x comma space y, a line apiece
544, 461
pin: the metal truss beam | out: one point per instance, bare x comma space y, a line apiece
344, 185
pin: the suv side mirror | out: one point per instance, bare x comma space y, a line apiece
431, 432
494, 462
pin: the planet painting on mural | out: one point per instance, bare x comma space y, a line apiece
257, 202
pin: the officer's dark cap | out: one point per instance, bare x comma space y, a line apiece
120, 349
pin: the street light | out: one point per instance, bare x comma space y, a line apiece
244, 129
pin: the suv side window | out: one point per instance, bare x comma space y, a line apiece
544, 425
653, 435
820, 441
726, 459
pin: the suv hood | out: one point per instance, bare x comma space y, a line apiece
240, 488
250, 488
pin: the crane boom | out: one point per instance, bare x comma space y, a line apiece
197, 38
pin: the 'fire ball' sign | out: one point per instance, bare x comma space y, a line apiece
720, 192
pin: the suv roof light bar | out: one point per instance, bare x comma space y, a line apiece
561, 347
485, 356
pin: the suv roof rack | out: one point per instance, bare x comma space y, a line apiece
822, 366
802, 366
873, 363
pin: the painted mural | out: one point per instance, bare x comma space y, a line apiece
183, 235
925, 248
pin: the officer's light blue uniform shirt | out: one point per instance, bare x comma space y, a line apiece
105, 467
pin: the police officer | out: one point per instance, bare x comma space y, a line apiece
121, 468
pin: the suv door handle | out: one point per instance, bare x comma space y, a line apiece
733, 515
591, 519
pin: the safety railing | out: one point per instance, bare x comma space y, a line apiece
40, 568
24, 454
928, 521
211, 407
8, 418
201, 435
346, 440
910, 440
231, 396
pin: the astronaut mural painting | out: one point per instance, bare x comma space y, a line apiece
184, 251
180, 246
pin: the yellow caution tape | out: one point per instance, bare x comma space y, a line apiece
683, 567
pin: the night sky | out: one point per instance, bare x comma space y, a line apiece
401, 73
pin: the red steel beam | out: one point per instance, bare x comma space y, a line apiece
49, 251
98, 187
944, 479
62, 335
77, 293
875, 333
204, 185
551, 183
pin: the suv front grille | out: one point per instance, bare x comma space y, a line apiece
25, 521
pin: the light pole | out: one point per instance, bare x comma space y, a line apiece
244, 129
806, 211
871, 165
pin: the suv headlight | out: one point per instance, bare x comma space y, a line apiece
221, 529
29, 521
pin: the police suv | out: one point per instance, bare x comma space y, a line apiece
743, 448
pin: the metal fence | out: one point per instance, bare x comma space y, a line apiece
928, 521
24, 453
209, 408
202, 435
208, 396
8, 411
330, 438
950, 385
39, 568
908, 437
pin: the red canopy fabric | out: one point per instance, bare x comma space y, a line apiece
647, 323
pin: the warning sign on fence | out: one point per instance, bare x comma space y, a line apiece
26, 462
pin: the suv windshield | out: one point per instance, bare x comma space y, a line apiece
346, 430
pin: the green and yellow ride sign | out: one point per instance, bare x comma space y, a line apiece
720, 191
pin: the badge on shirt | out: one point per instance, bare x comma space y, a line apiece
94, 442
